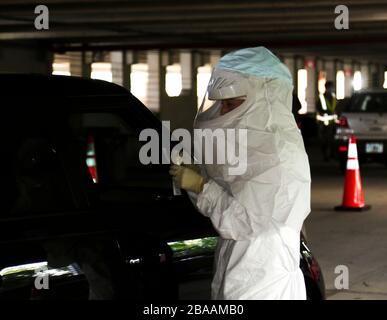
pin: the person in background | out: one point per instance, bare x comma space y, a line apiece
326, 118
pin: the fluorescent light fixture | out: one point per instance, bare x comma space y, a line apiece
102, 71
203, 78
61, 68
139, 81
302, 76
357, 82
340, 85
385, 80
173, 80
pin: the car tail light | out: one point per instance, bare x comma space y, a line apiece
343, 122
315, 270
91, 160
343, 148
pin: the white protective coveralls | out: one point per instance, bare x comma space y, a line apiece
258, 214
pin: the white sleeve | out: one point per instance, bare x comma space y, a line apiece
229, 217
194, 198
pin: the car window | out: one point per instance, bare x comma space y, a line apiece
40, 182
371, 102
111, 150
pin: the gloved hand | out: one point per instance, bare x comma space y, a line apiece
193, 167
187, 178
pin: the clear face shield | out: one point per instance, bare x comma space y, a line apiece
226, 91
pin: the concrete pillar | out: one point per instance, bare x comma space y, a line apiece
320, 65
365, 75
61, 58
375, 75
121, 64
330, 73
371, 72
380, 75
290, 63
186, 70
215, 55
80, 63
127, 60
348, 73
154, 81
31, 58
298, 64
117, 60
86, 61
75, 59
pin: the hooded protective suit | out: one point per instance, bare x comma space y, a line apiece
259, 213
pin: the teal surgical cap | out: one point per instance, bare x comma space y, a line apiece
259, 62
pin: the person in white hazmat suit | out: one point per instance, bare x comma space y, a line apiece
259, 213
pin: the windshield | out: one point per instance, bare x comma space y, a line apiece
369, 102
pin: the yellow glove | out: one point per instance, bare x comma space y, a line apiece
193, 167
187, 178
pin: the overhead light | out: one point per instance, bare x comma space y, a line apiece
173, 80
203, 78
340, 85
385, 80
61, 68
139, 81
102, 71
302, 76
357, 83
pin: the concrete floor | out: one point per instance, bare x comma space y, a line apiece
357, 240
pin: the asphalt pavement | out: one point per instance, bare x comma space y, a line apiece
353, 241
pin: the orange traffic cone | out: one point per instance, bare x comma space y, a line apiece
353, 199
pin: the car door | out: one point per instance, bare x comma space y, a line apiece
36, 199
131, 195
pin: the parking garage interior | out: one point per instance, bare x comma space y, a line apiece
164, 53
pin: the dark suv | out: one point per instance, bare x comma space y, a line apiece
81, 216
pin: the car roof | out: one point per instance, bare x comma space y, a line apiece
32, 96
371, 90
54, 85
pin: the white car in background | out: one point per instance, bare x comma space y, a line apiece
365, 116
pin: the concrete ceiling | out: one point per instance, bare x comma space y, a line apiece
303, 26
